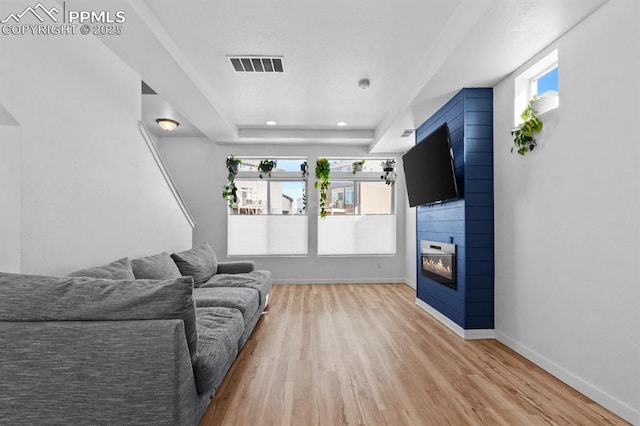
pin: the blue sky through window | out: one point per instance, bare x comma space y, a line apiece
548, 81
289, 165
293, 189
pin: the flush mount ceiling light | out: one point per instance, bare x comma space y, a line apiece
364, 84
341, 123
167, 124
271, 123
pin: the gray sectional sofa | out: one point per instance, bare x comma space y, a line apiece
146, 341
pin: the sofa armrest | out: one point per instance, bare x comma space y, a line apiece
238, 267
97, 372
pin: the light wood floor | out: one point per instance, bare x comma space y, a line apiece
366, 354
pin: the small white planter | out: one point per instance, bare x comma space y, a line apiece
548, 101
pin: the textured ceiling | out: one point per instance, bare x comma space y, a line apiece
416, 53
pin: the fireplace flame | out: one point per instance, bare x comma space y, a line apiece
437, 267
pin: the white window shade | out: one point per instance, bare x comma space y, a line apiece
258, 235
357, 235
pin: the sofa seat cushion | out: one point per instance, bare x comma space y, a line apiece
199, 262
116, 270
259, 280
41, 298
157, 267
246, 300
219, 330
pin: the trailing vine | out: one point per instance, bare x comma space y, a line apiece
230, 190
304, 171
323, 170
389, 167
523, 139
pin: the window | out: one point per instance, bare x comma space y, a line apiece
259, 196
547, 81
270, 215
542, 80
360, 197
348, 196
360, 211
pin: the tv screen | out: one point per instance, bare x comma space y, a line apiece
429, 170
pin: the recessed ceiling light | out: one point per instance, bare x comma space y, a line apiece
341, 123
271, 123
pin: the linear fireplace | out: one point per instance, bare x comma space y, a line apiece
438, 262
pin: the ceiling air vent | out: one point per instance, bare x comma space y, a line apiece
406, 133
257, 63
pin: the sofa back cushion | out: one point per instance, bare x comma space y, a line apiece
199, 262
116, 270
157, 267
42, 298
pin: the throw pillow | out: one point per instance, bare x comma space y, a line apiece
117, 270
199, 262
42, 298
157, 267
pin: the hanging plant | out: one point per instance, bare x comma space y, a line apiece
357, 166
523, 139
304, 198
233, 164
304, 169
230, 190
265, 167
389, 167
323, 169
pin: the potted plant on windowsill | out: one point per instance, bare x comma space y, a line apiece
546, 102
230, 190
357, 166
265, 167
523, 135
323, 169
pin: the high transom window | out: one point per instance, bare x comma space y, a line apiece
539, 80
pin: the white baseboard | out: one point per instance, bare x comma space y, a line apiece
465, 334
410, 284
377, 280
630, 414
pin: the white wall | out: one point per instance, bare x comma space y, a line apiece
198, 167
91, 191
410, 248
10, 197
567, 235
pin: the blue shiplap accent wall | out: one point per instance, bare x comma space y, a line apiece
468, 221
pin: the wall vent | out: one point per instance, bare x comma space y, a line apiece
407, 132
257, 63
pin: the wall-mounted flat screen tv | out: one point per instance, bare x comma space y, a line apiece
429, 171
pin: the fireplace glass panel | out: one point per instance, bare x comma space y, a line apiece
438, 262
